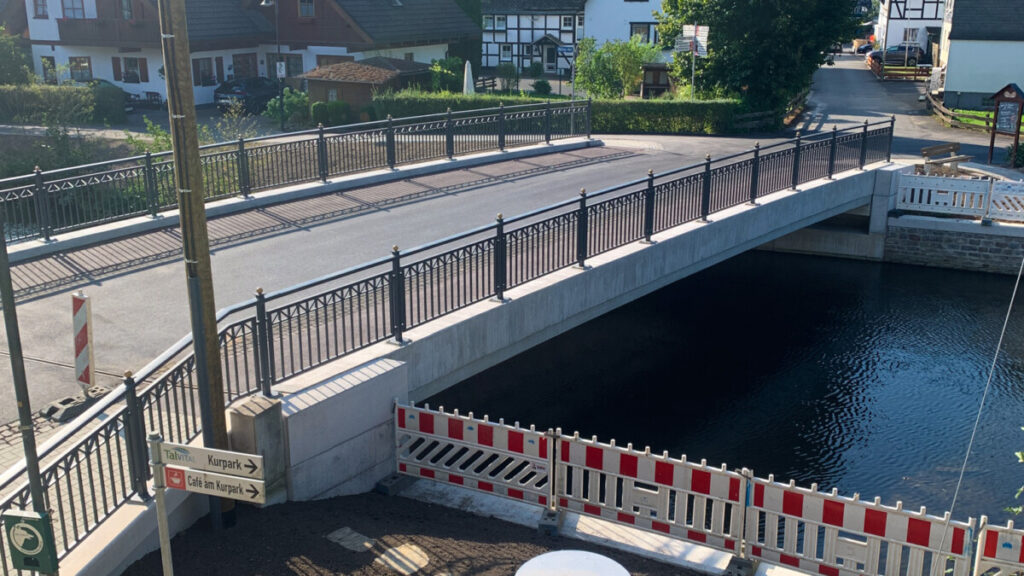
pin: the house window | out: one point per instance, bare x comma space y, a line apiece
506, 53
49, 69
202, 72
500, 22
39, 9
292, 63
306, 9
488, 22
910, 35
527, 49
80, 68
567, 22
126, 9
647, 31
332, 94
73, 9
579, 21
135, 70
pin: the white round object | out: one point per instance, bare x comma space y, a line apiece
571, 563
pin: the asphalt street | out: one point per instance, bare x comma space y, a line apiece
142, 309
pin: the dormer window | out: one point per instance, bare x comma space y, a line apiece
306, 9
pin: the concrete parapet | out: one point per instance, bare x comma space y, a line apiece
339, 428
257, 428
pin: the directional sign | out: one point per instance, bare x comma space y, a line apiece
565, 50
700, 38
684, 44
210, 460
215, 484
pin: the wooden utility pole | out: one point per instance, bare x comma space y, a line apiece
194, 236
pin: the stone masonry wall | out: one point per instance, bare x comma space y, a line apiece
997, 248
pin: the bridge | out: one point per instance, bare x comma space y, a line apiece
450, 308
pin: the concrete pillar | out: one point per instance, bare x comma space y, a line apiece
257, 428
883, 200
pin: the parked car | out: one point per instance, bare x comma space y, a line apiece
865, 48
254, 93
901, 55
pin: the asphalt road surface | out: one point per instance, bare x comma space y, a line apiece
137, 286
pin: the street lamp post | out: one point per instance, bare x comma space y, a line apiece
277, 64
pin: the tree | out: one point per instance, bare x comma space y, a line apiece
614, 69
14, 60
763, 51
446, 74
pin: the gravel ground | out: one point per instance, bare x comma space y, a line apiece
292, 539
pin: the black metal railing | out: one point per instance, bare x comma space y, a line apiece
45, 203
96, 464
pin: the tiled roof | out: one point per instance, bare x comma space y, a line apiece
396, 64
224, 19
390, 22
994, 20
352, 72
532, 6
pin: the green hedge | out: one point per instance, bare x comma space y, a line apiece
609, 116
42, 103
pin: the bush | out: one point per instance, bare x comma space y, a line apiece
45, 104
338, 113
1015, 157
320, 113
508, 74
414, 103
542, 87
446, 74
535, 69
663, 116
369, 114
296, 107
110, 101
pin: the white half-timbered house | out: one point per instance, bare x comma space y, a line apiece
909, 21
521, 32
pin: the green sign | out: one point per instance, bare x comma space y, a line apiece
30, 540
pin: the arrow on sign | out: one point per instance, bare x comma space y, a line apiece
215, 484
253, 492
252, 467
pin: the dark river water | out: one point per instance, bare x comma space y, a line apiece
862, 376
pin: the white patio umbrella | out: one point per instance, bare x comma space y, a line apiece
467, 79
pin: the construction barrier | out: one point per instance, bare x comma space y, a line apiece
478, 454
81, 310
817, 533
1000, 550
656, 493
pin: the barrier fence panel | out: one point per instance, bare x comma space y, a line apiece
848, 151
776, 172
475, 134
814, 160
490, 457
541, 248
1000, 550
730, 184
1007, 201
656, 493
878, 145
677, 201
831, 535
449, 281
942, 195
615, 222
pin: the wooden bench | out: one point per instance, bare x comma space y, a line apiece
936, 164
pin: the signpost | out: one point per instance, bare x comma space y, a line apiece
220, 473
694, 41
1009, 108
569, 53
30, 536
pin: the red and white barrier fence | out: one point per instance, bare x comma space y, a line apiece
817, 533
1000, 550
833, 535
81, 310
656, 493
478, 454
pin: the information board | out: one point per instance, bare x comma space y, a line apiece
1007, 116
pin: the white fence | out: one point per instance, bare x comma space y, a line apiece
975, 198
818, 533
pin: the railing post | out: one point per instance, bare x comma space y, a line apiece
501, 126
150, 181
832, 151
705, 195
892, 133
321, 153
755, 173
449, 135
500, 260
547, 122
581, 230
649, 207
864, 145
589, 101
390, 143
796, 162
262, 350
42, 204
134, 438
243, 169
397, 294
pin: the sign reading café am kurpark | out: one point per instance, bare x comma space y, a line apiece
214, 472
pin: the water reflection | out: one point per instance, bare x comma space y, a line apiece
862, 376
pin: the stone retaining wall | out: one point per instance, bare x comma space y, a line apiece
958, 244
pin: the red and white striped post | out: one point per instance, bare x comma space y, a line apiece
81, 308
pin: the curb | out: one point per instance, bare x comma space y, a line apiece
106, 232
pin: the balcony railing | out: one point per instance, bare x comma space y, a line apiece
108, 31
